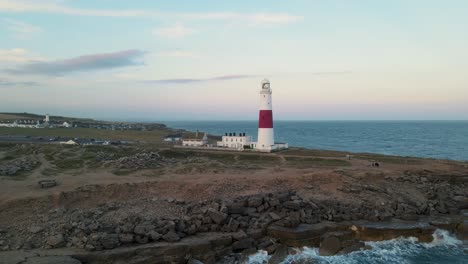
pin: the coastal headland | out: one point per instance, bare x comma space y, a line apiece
149, 202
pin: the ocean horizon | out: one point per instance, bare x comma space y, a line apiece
438, 139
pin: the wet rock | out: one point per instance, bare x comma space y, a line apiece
281, 253
351, 246
329, 246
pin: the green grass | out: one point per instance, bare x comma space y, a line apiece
315, 152
390, 159
154, 136
315, 162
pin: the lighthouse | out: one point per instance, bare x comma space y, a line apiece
266, 138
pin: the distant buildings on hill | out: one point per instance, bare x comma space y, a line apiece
49, 122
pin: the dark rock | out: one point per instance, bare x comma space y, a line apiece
52, 260
274, 216
141, 239
329, 246
281, 253
110, 241
293, 205
239, 235
461, 202
216, 216
155, 236
143, 229
243, 244
255, 201
351, 246
56, 241
126, 238
171, 237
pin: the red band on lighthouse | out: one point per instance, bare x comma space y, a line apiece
265, 119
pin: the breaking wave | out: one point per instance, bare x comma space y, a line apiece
444, 249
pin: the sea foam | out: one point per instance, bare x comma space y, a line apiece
445, 248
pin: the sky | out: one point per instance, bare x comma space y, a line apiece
205, 59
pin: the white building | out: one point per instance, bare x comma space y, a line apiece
173, 138
235, 141
195, 142
66, 125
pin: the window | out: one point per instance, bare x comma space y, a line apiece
232, 140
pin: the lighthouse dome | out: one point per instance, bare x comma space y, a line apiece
265, 81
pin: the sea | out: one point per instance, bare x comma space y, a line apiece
445, 249
427, 139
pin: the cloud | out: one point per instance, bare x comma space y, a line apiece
4, 82
177, 53
176, 31
20, 29
80, 64
17, 55
193, 80
57, 7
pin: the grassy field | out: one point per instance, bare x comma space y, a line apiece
147, 136
306, 162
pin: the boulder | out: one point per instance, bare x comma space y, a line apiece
304, 234
143, 229
351, 246
293, 205
56, 241
255, 201
216, 216
246, 243
126, 238
110, 241
281, 253
171, 237
330, 246
461, 202
141, 239
155, 236
239, 235
274, 216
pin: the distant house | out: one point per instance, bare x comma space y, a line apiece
66, 124
69, 142
173, 138
195, 142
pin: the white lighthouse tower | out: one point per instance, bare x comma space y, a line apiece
266, 138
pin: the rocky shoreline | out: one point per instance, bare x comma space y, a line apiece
151, 205
228, 230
